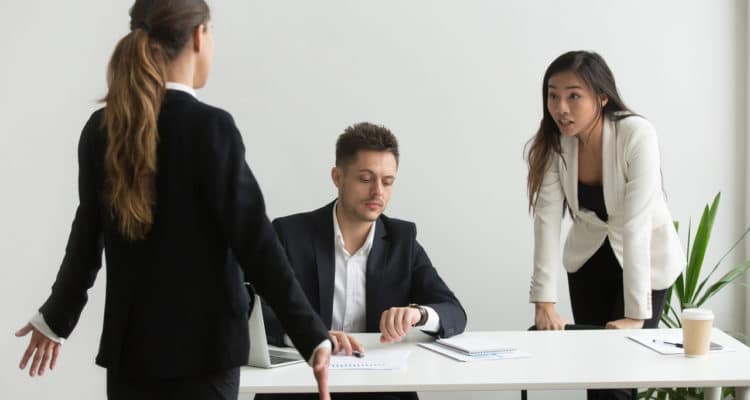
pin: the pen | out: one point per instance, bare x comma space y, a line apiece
678, 345
358, 354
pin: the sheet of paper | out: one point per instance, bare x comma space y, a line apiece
474, 343
457, 355
655, 341
387, 359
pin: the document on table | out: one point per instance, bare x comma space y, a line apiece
670, 343
385, 359
465, 357
474, 343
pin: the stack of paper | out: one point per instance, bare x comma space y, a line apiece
473, 347
473, 344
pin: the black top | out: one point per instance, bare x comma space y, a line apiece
175, 302
591, 197
398, 271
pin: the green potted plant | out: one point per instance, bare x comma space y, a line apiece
690, 291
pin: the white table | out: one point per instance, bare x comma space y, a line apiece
559, 360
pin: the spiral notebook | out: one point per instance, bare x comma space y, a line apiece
474, 344
464, 357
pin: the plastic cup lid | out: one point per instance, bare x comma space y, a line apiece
697, 314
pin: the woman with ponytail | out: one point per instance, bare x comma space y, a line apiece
599, 161
166, 193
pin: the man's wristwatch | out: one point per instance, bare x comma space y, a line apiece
422, 314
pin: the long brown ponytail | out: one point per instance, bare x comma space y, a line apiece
545, 144
136, 77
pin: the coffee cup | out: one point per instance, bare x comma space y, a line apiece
696, 331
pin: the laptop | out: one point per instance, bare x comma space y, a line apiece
261, 355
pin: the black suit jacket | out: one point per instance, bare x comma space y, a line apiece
175, 301
398, 271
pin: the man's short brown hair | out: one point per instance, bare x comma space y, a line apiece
364, 136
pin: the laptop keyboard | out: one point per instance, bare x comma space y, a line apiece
278, 357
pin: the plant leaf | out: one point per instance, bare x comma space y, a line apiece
690, 231
733, 274
679, 286
665, 318
703, 283
668, 322
680, 282
677, 318
698, 253
668, 299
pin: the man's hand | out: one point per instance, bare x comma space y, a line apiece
44, 350
395, 323
321, 360
625, 323
345, 343
546, 317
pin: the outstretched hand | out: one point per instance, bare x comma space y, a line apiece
321, 360
43, 350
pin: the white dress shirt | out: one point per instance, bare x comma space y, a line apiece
349, 289
181, 87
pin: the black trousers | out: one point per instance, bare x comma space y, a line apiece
221, 386
596, 297
341, 396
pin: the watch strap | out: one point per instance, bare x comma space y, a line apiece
422, 314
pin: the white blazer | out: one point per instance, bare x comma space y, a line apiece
639, 227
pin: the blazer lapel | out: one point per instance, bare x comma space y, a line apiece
376, 264
323, 242
610, 176
569, 169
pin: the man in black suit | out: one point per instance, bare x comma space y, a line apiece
361, 270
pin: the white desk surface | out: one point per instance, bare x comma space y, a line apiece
559, 360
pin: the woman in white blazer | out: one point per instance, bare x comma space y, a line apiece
600, 161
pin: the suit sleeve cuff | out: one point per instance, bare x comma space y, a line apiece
639, 309
433, 321
326, 344
38, 322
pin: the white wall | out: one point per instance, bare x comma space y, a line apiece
747, 171
457, 81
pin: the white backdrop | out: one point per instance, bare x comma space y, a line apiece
459, 83
747, 168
